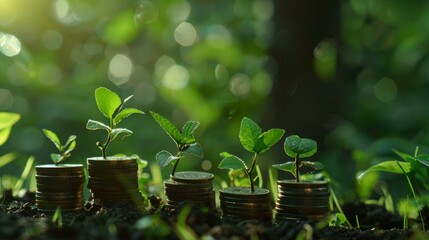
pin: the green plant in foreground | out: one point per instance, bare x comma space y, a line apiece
253, 140
111, 106
7, 120
184, 139
414, 168
64, 150
298, 148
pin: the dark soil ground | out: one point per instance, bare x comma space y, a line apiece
20, 219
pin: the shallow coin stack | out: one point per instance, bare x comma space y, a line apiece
241, 203
192, 187
59, 186
114, 180
302, 201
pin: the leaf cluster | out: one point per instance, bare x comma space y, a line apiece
64, 150
184, 140
254, 140
111, 106
297, 147
417, 167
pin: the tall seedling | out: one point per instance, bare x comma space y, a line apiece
184, 140
111, 106
253, 140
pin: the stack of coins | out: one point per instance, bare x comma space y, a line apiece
114, 180
241, 203
59, 186
302, 200
192, 187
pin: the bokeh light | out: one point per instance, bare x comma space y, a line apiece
185, 34
9, 45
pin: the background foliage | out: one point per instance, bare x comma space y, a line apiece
351, 74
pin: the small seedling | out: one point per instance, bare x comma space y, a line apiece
298, 148
255, 141
64, 150
184, 139
111, 106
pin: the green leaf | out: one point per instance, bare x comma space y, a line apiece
127, 99
168, 127
268, 139
70, 148
118, 131
96, 125
126, 112
405, 156
7, 158
4, 135
249, 133
163, 158
7, 119
388, 166
56, 157
70, 140
53, 137
188, 131
232, 162
195, 149
295, 145
423, 159
288, 167
107, 101
314, 165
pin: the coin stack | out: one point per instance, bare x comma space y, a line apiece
241, 203
114, 180
192, 187
59, 186
302, 200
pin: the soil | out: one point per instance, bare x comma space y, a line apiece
20, 219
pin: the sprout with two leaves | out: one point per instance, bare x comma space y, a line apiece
64, 150
111, 106
184, 139
298, 148
255, 141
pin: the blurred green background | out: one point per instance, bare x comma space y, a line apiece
354, 75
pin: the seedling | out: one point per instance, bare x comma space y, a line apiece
64, 150
111, 106
255, 141
184, 139
298, 148
414, 168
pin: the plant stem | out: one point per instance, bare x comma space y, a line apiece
105, 145
414, 195
249, 172
297, 165
179, 154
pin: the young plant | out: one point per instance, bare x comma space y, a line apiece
414, 168
64, 150
111, 106
184, 139
298, 148
255, 141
